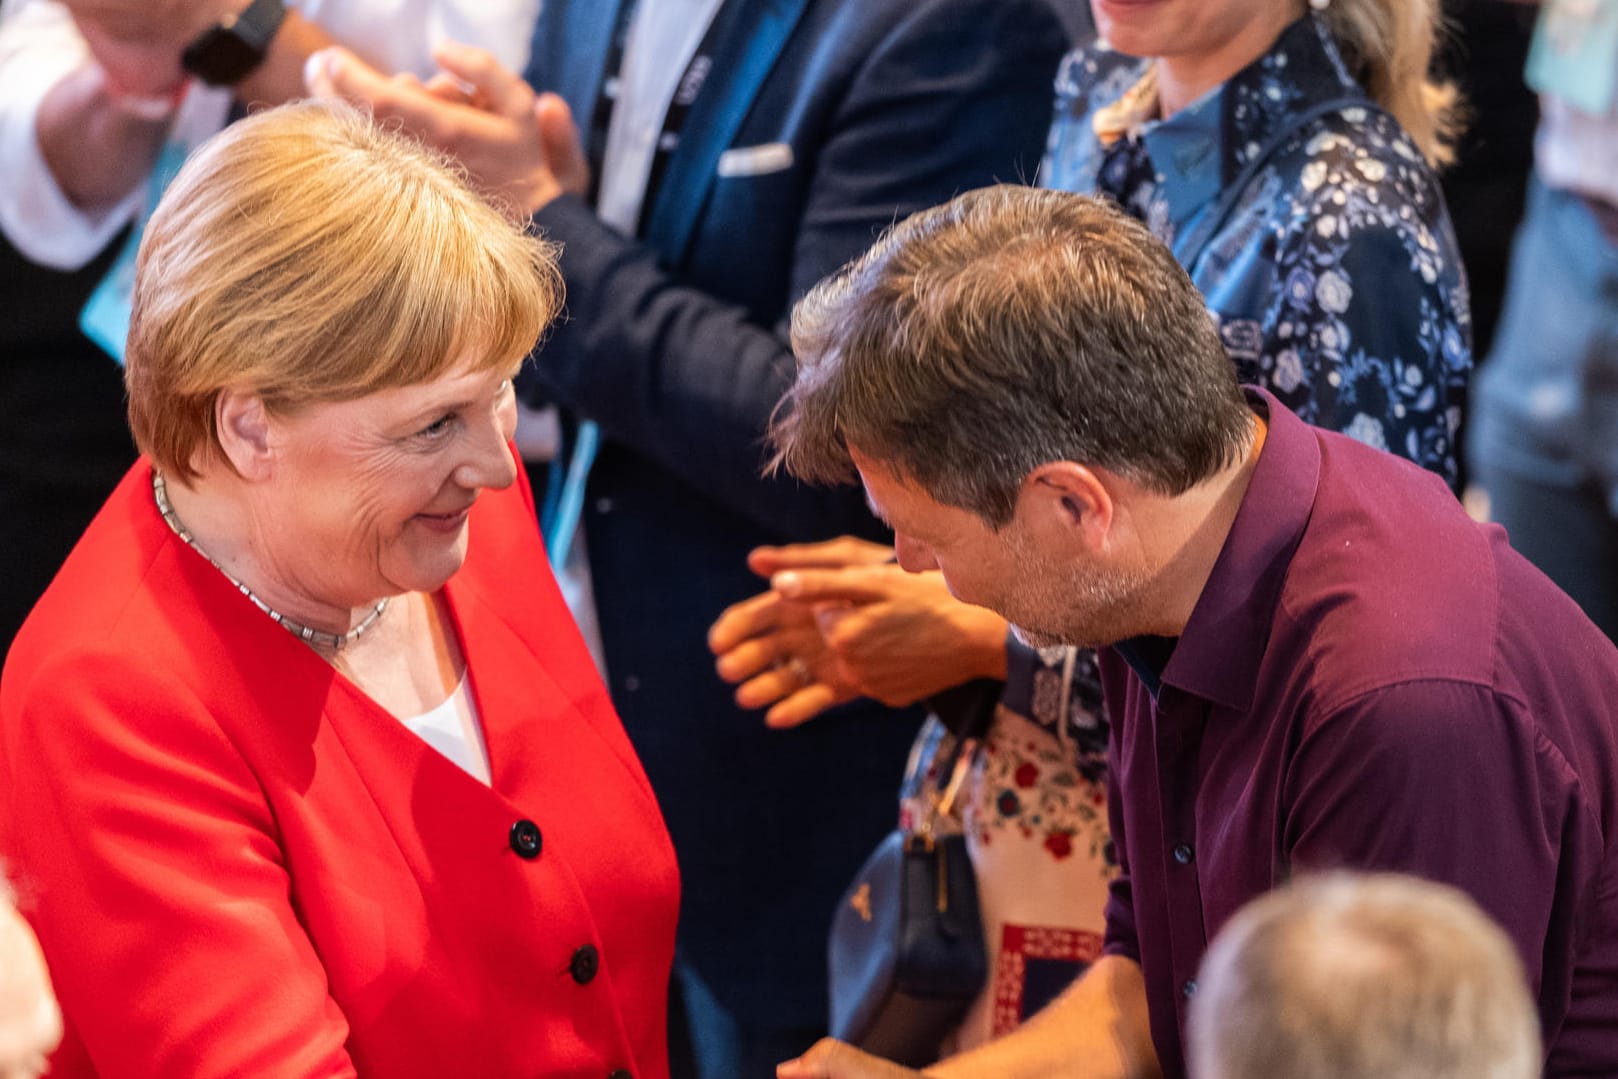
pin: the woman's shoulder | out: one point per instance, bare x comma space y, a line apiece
1357, 155
100, 584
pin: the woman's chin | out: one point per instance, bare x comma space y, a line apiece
1131, 27
430, 558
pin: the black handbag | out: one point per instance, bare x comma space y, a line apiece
906, 952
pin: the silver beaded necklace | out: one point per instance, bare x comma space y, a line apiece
315, 637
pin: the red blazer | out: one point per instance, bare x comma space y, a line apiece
238, 865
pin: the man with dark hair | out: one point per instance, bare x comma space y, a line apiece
703, 164
1312, 657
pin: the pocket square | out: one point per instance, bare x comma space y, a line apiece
755, 160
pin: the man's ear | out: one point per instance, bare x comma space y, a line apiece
243, 426
1072, 497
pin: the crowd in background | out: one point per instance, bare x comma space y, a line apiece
1397, 242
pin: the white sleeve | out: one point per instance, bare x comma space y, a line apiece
39, 46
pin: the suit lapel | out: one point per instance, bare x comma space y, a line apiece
503, 707
570, 45
750, 39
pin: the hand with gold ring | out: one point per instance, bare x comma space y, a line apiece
771, 649
800, 670
880, 632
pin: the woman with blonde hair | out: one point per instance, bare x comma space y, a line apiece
301, 757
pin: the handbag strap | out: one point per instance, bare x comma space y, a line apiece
964, 752
942, 804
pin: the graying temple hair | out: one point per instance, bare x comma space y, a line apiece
1004, 329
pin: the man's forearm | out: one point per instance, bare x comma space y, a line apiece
280, 77
1098, 1029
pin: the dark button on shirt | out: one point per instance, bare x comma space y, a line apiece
1183, 853
621, 1073
586, 961
525, 839
1371, 680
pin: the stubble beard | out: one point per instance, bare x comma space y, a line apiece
1082, 605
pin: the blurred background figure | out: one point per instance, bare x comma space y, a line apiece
300, 751
30, 1023
92, 98
1487, 183
1345, 976
1544, 437
703, 163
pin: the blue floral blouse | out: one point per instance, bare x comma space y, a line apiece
1335, 278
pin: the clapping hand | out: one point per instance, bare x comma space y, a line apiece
520, 147
138, 43
841, 620
30, 1024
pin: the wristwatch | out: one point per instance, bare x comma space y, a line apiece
227, 53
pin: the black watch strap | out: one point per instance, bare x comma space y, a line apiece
225, 54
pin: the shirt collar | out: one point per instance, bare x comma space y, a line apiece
1204, 146
1218, 656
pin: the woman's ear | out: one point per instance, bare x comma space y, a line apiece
1073, 498
243, 426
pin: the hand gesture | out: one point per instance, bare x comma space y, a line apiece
521, 148
841, 621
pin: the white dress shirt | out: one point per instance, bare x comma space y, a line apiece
453, 728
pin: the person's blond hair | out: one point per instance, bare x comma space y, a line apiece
1353, 976
1389, 46
307, 255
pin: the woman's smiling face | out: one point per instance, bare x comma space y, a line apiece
370, 497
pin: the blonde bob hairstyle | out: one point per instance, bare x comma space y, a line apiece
307, 255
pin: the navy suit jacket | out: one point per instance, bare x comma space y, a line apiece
675, 343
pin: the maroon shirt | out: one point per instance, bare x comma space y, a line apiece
1370, 680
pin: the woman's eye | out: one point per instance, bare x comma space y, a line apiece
438, 426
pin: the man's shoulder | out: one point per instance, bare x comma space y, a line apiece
1391, 579
1392, 582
